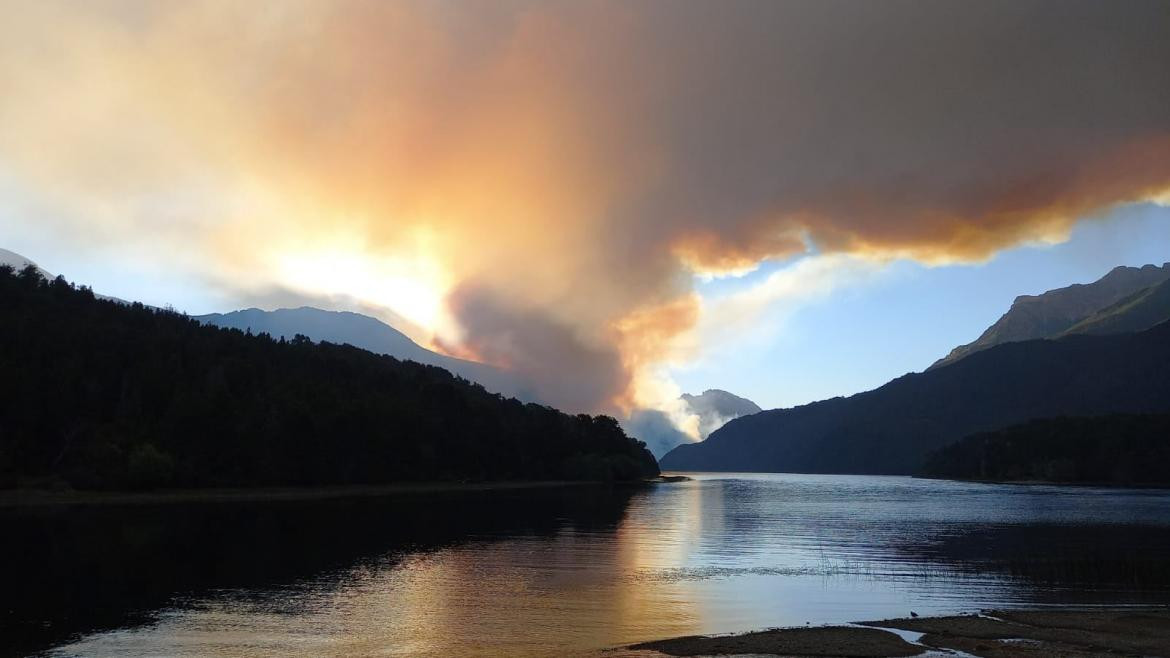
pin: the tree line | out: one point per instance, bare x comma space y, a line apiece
105, 395
1121, 449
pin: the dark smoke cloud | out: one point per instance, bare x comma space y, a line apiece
568, 372
570, 165
941, 129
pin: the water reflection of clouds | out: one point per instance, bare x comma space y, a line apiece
713, 555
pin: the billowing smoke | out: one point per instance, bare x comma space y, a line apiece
715, 408
536, 184
571, 373
656, 429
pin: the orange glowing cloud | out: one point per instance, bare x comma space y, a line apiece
538, 183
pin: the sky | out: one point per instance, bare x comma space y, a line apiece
788, 200
904, 316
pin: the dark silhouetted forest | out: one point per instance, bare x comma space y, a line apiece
98, 394
1116, 449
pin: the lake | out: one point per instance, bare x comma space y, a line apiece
562, 571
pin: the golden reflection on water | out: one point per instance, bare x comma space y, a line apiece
719, 555
573, 593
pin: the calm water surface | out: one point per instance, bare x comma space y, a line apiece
565, 571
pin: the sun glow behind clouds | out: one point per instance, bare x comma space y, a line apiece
412, 284
599, 191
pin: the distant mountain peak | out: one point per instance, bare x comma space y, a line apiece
1055, 312
18, 262
713, 395
716, 407
368, 333
1137, 312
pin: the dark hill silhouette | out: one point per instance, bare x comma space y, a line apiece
891, 429
1056, 312
1115, 449
369, 334
18, 262
107, 395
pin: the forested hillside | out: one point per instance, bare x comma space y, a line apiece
369, 334
1115, 449
97, 394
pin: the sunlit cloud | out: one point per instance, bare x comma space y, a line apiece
412, 286
751, 313
541, 185
728, 319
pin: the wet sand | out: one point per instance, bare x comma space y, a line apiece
819, 641
1126, 631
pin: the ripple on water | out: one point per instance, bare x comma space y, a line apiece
529, 573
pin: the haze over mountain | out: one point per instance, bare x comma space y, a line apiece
390, 215
639, 164
369, 334
716, 407
1068, 310
892, 428
713, 409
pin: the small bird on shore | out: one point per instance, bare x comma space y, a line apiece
913, 614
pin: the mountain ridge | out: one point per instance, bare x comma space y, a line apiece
1054, 312
19, 262
368, 333
890, 429
716, 407
1141, 310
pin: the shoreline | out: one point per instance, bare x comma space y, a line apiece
25, 498
1053, 483
1037, 483
1143, 630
